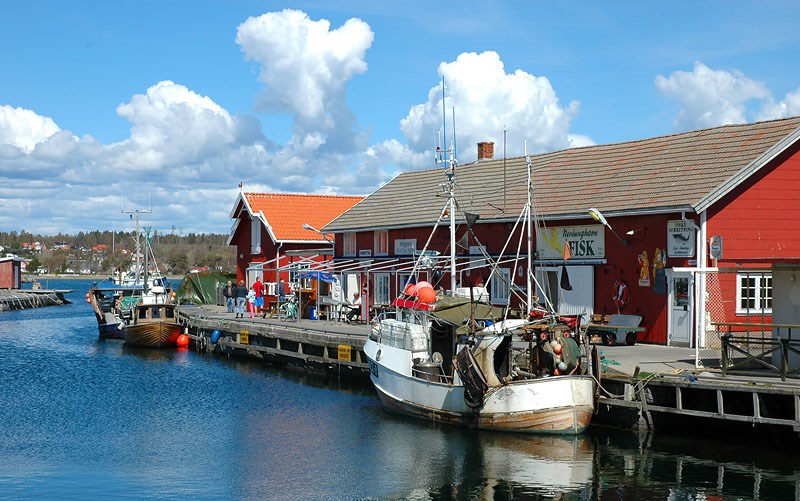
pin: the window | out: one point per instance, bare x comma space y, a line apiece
382, 243
255, 236
381, 289
402, 281
349, 244
753, 293
499, 286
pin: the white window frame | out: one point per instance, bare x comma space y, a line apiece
349, 244
381, 288
255, 236
500, 286
381, 242
762, 293
402, 278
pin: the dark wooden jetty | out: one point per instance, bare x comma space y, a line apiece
317, 346
18, 299
640, 386
643, 385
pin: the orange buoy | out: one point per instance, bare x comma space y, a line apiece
557, 348
87, 295
183, 341
426, 294
410, 290
88, 300
423, 285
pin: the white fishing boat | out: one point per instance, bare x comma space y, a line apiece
437, 360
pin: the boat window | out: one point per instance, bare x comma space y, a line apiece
143, 313
156, 312
169, 312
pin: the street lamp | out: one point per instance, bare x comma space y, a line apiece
598, 216
307, 226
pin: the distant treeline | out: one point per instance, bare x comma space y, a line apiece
65, 253
124, 239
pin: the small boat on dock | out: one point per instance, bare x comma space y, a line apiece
154, 326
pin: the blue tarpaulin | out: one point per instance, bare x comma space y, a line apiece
319, 275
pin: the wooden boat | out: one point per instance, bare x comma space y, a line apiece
113, 307
154, 326
459, 360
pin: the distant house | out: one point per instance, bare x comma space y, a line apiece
10, 272
273, 230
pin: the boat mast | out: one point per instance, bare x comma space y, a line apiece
447, 156
529, 220
137, 240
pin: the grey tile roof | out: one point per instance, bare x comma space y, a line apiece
668, 172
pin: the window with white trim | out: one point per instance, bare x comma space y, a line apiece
381, 292
499, 286
753, 293
381, 243
255, 236
349, 244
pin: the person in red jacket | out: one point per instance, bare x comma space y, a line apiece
258, 288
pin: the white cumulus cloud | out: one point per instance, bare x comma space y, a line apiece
487, 99
789, 106
304, 65
709, 97
23, 128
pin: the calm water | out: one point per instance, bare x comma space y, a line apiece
87, 419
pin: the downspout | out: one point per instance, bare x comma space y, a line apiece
277, 264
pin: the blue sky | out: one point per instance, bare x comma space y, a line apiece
170, 105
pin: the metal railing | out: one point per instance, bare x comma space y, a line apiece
748, 345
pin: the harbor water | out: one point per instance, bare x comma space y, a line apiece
82, 418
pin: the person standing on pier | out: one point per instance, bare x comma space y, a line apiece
258, 288
229, 291
241, 298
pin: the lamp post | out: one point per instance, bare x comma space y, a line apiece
598, 216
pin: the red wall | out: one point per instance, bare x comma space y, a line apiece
10, 274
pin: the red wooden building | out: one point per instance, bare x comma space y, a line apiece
10, 272
276, 234
697, 224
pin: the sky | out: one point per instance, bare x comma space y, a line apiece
168, 106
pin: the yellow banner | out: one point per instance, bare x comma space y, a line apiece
344, 352
244, 337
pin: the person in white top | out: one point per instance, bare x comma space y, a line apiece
355, 307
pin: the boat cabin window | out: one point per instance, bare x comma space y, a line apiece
169, 312
143, 314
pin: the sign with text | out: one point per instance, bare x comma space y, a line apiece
586, 242
405, 246
680, 238
365, 252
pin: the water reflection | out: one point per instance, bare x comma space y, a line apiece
83, 418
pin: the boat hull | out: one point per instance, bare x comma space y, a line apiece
152, 335
555, 405
111, 331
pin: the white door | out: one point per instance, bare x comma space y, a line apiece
681, 308
577, 301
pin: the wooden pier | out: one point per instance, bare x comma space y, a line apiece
316, 346
645, 386
639, 386
19, 299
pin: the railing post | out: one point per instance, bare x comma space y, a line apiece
784, 358
724, 339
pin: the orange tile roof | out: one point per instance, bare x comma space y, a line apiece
286, 213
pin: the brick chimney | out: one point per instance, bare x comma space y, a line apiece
485, 150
